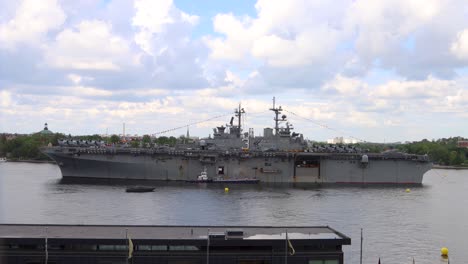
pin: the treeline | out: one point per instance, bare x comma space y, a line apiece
26, 147
443, 151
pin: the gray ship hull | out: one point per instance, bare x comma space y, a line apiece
267, 167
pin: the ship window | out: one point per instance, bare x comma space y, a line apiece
159, 247
183, 248
151, 247
221, 170
56, 247
143, 247
113, 247
84, 247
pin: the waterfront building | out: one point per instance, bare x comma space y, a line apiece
31, 244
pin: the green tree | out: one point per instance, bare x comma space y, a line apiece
146, 141
114, 139
453, 157
162, 140
135, 143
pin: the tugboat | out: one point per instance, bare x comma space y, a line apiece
203, 177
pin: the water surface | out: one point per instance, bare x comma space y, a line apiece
397, 225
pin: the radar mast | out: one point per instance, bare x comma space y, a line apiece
239, 111
277, 119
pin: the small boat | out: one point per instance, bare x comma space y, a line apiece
140, 189
203, 177
3, 159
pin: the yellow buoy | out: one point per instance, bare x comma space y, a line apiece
408, 190
226, 189
444, 252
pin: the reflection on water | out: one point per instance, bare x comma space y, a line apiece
398, 225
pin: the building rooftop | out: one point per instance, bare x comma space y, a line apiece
170, 232
45, 130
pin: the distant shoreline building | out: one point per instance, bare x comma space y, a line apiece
46, 130
341, 140
462, 143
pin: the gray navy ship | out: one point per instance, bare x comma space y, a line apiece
279, 156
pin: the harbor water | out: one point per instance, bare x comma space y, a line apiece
398, 225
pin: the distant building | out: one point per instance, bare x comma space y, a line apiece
463, 143
45, 131
10, 136
341, 140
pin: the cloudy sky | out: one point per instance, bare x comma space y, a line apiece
378, 71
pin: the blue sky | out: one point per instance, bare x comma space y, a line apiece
207, 9
388, 70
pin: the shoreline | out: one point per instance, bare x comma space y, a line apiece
33, 161
443, 167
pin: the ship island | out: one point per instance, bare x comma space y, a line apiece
279, 156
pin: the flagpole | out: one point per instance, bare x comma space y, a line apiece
46, 246
128, 244
361, 247
208, 247
286, 248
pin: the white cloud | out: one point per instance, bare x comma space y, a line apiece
88, 91
412, 38
431, 87
365, 119
392, 122
32, 20
460, 46
238, 40
345, 85
5, 99
281, 52
283, 34
91, 45
460, 98
381, 25
153, 18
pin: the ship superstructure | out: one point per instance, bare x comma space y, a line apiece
279, 156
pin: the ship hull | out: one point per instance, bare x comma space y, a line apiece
266, 167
